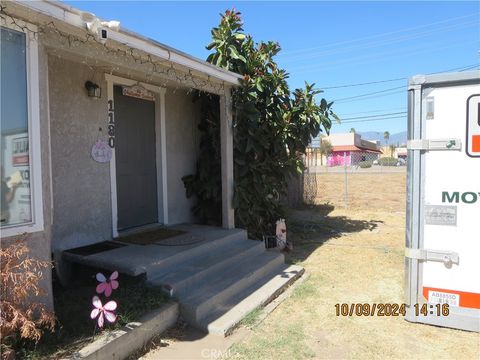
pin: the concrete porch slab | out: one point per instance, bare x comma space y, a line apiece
217, 282
134, 260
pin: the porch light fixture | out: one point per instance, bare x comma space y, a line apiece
93, 90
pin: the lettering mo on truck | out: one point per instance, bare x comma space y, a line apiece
467, 197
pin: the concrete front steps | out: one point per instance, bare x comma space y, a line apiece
217, 286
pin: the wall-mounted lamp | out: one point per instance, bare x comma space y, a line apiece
93, 90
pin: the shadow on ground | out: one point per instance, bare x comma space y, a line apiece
311, 226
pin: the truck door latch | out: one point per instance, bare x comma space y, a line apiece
447, 257
434, 144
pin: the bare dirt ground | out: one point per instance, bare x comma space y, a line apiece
352, 255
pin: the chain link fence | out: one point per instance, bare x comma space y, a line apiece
353, 179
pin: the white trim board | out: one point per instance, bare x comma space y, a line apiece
160, 151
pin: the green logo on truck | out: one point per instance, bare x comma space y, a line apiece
468, 197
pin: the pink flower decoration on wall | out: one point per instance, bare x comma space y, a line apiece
107, 285
103, 311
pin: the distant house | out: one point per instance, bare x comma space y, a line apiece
401, 153
396, 152
350, 149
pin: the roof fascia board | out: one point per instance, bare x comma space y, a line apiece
446, 78
66, 14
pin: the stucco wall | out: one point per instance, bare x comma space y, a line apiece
344, 139
81, 186
182, 116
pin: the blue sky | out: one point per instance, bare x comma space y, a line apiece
328, 43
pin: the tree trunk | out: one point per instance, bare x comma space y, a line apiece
295, 190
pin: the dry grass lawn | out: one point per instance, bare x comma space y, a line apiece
385, 191
352, 255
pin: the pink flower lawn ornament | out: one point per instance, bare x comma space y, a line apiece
103, 311
107, 285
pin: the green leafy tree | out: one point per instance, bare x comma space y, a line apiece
325, 149
386, 136
352, 130
272, 128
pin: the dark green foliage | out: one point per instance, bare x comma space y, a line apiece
365, 164
388, 161
272, 128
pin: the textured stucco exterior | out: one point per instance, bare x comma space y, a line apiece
81, 186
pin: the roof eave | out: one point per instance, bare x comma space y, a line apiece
346, 148
72, 16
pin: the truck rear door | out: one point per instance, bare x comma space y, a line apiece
443, 206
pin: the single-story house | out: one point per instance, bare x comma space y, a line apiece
398, 152
350, 149
401, 153
98, 127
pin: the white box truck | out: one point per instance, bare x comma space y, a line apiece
442, 255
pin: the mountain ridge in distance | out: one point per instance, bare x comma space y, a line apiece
396, 139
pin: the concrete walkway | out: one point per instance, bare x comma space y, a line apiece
197, 345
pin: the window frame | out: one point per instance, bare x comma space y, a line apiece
33, 111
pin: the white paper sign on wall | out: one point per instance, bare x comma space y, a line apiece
101, 152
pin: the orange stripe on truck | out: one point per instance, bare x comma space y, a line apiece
476, 143
467, 299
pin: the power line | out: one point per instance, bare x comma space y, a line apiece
380, 43
386, 116
378, 35
390, 91
462, 68
375, 96
375, 58
374, 116
361, 84
459, 69
371, 93
360, 121
373, 111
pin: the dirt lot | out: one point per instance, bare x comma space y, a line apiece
352, 255
382, 190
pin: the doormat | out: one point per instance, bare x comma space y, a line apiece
162, 237
95, 248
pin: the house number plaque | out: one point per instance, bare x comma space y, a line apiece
111, 124
101, 152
